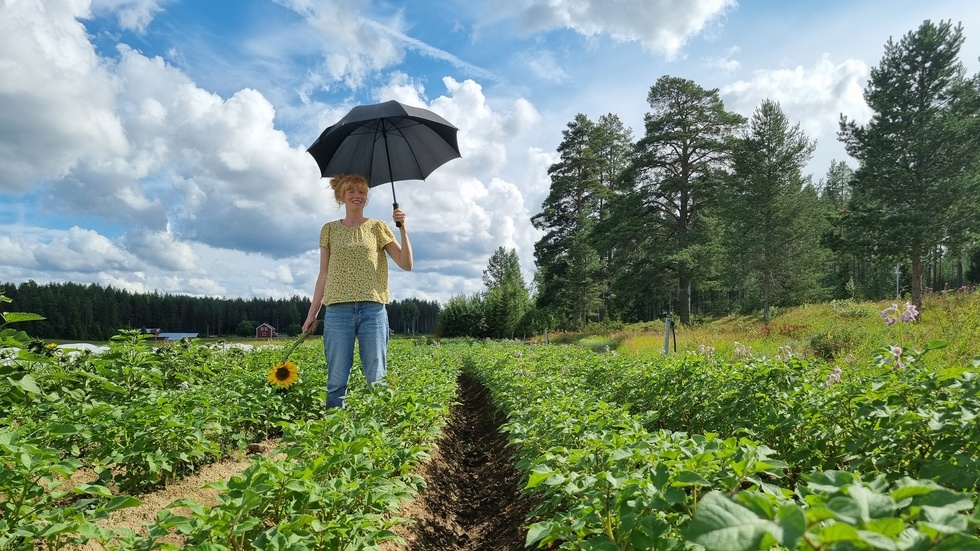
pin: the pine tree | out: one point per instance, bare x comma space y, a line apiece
507, 298
774, 220
679, 165
566, 259
916, 186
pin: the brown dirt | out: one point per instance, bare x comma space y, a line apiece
472, 499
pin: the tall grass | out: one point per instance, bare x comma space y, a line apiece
837, 331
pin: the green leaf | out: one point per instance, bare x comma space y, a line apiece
907, 487
871, 504
691, 478
93, 489
62, 429
838, 532
792, 521
845, 509
195, 507
54, 529
959, 542
661, 475
208, 546
891, 526
26, 383
649, 530
611, 480
830, 482
14, 339
272, 540
8, 437
620, 454
757, 503
675, 495
943, 519
877, 541
247, 524
121, 502
536, 532
946, 499
539, 474
599, 543
14, 317
720, 524
935, 345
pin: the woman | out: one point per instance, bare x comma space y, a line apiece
353, 285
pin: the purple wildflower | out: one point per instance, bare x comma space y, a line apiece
833, 377
896, 354
888, 311
910, 314
891, 315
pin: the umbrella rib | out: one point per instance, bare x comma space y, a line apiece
395, 129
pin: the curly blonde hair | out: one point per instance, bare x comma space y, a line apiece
343, 182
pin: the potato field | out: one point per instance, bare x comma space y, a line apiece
476, 444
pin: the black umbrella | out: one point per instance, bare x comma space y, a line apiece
386, 142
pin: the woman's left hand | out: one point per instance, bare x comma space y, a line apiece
399, 217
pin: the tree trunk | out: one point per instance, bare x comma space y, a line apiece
684, 300
917, 279
766, 293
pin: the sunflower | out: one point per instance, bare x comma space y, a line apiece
284, 374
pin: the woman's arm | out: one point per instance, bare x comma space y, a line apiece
401, 253
321, 280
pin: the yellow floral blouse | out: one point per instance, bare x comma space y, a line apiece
358, 267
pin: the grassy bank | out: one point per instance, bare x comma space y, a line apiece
836, 331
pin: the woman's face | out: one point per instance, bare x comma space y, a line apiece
355, 197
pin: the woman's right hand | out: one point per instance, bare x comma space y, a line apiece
308, 323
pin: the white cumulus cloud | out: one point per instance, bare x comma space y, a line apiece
662, 26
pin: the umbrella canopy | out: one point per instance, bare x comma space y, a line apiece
386, 142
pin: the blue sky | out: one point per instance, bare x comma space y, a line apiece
160, 145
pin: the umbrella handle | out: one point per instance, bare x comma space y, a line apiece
393, 207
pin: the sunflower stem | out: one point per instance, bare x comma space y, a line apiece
297, 342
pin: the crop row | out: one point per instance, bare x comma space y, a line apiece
606, 478
334, 482
136, 417
871, 418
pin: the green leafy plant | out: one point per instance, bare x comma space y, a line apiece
36, 503
16, 383
838, 511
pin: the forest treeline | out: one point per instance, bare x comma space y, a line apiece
710, 212
93, 313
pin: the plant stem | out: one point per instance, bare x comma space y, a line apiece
298, 341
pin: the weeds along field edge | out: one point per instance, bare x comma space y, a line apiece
620, 454
136, 418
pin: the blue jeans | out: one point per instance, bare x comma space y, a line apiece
342, 323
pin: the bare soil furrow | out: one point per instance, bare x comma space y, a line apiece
472, 499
